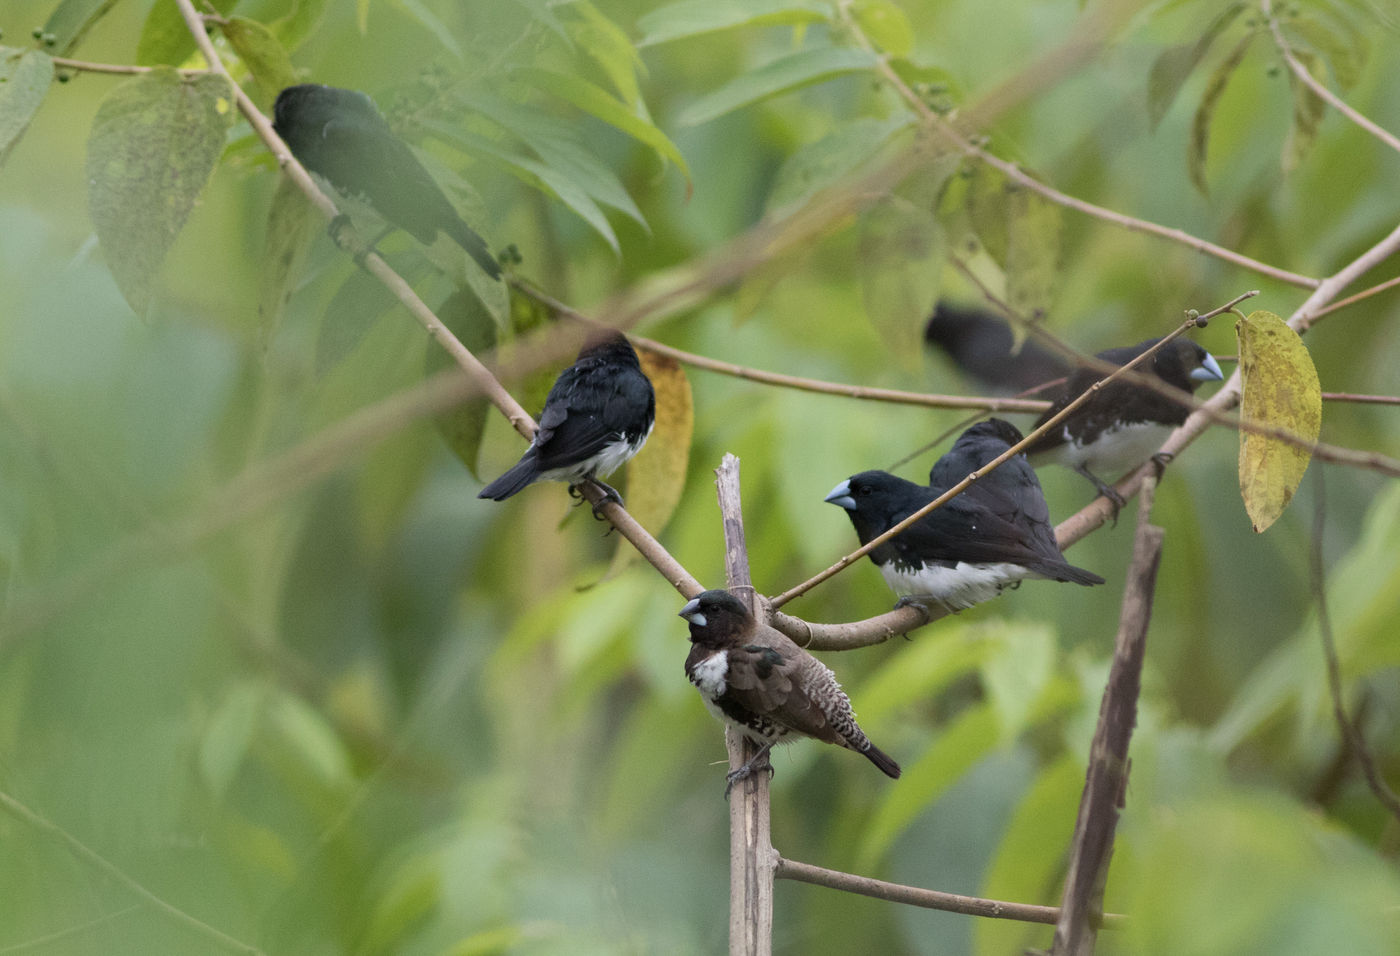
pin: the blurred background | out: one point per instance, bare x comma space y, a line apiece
373, 714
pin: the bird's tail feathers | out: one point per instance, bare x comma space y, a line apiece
882, 760
475, 247
1066, 572
517, 477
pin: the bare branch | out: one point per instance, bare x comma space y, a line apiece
1107, 778
928, 899
1307, 79
1353, 299
110, 870
1350, 730
119, 69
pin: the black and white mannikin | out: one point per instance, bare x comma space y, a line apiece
597, 416
992, 536
754, 678
341, 137
1124, 424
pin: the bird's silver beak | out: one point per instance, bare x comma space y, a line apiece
841, 496
1209, 370
691, 612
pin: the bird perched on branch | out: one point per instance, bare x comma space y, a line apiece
754, 678
597, 416
991, 536
1125, 423
340, 136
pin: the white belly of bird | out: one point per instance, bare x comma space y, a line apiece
1118, 449
956, 588
709, 675
607, 461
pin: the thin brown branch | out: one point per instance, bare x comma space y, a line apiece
1106, 780
1353, 299
119, 69
1350, 729
751, 853
949, 132
1311, 82
110, 870
916, 896
957, 489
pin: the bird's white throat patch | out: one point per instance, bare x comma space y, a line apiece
710, 674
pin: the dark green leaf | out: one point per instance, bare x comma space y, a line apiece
262, 53
25, 76
597, 101
70, 20
1308, 110
153, 146
694, 17
463, 426
780, 76
1200, 125
165, 39
987, 210
1174, 65
292, 222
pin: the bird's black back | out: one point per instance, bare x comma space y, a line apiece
1121, 401
603, 394
982, 345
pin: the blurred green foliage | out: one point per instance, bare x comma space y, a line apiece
373, 714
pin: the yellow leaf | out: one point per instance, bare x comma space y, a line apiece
656, 477
1281, 390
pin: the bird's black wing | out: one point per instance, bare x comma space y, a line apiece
592, 403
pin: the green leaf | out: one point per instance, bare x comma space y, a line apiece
656, 476
71, 20
595, 100
153, 146
779, 76
292, 223
987, 210
608, 46
429, 21
1032, 254
1308, 110
263, 54
1345, 55
902, 251
352, 312
1200, 124
820, 164
228, 734
1279, 389
312, 739
25, 76
305, 16
955, 750
165, 39
463, 426
1175, 64
694, 17
886, 25
1016, 672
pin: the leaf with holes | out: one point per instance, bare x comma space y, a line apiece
154, 144
1280, 389
656, 477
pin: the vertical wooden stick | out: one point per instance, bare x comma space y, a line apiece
752, 858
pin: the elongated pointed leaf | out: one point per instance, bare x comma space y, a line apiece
598, 102
815, 166
1280, 389
694, 17
1032, 254
292, 222
780, 76
1175, 64
305, 16
1345, 54
153, 146
608, 45
25, 76
1308, 110
70, 20
463, 426
1205, 112
262, 53
656, 477
901, 252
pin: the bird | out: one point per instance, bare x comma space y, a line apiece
981, 344
598, 414
992, 536
755, 679
340, 136
1125, 423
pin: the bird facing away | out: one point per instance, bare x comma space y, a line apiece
980, 343
992, 536
1124, 424
597, 416
755, 679
341, 136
